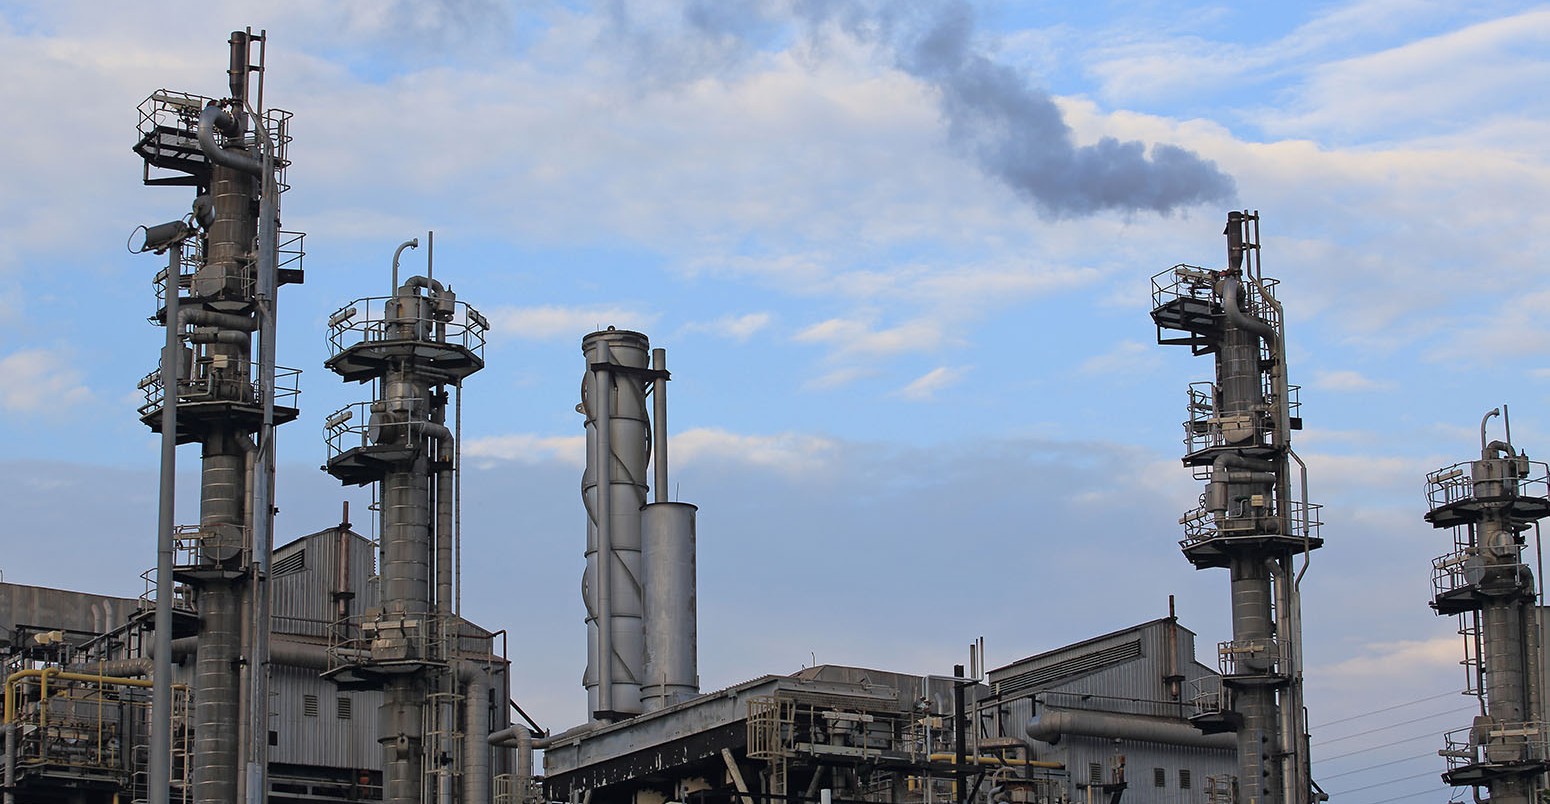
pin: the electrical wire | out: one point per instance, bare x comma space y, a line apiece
1385, 783
1396, 725
1432, 736
1325, 778
1386, 709
1405, 796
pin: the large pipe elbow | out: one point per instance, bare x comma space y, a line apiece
1231, 301
215, 118
424, 282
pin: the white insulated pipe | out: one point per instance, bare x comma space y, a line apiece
476, 752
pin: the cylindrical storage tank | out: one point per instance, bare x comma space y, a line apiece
672, 652
628, 438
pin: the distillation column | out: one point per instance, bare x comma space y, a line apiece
1249, 520
639, 582
1489, 504
225, 400
413, 347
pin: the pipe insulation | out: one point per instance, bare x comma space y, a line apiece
476, 752
1050, 725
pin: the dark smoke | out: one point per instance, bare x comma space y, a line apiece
1012, 129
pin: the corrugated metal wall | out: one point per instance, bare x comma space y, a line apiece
302, 582
319, 724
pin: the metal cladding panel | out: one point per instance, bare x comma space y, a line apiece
1142, 759
315, 726
303, 582
57, 608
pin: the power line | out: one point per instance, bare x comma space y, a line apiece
1405, 796
1397, 725
1384, 783
1432, 736
1379, 765
1385, 709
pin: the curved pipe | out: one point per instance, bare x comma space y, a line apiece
425, 282
242, 340
1049, 726
414, 243
1235, 314
214, 117
211, 318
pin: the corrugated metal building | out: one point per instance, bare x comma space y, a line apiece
1118, 708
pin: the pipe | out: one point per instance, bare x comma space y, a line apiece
160, 771
214, 118
46, 673
476, 759
10, 763
425, 283
197, 316
602, 393
1484, 448
242, 340
411, 243
1240, 319
659, 422
987, 760
1051, 725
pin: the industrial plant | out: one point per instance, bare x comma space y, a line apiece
336, 666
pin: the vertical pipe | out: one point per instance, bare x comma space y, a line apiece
161, 693
659, 422
476, 727
671, 661
263, 488
10, 766
602, 388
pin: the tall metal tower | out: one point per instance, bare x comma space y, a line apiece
1253, 519
232, 152
1489, 504
639, 582
415, 347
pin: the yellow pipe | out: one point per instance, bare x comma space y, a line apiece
1030, 763
45, 673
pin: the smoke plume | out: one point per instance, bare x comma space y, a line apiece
1010, 128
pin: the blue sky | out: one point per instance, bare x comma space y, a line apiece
916, 393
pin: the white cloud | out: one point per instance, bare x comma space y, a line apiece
528, 448
926, 386
736, 327
1126, 359
40, 381
851, 336
552, 322
789, 453
1380, 659
1347, 380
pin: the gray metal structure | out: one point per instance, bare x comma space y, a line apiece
225, 398
1254, 518
1489, 505
1117, 709
639, 582
415, 348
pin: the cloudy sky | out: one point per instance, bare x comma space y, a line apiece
899, 254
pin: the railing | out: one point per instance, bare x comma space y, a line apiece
1207, 696
182, 594
511, 790
382, 319
386, 638
196, 546
358, 425
1496, 744
1200, 525
1206, 427
1221, 788
1251, 657
211, 386
1457, 483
